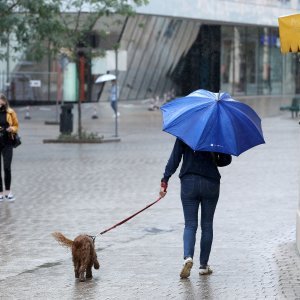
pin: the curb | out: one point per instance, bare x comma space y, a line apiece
82, 141
51, 123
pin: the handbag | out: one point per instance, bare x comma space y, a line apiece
221, 159
16, 140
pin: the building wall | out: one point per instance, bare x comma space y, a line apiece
256, 12
155, 46
167, 54
251, 62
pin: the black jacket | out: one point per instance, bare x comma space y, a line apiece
195, 162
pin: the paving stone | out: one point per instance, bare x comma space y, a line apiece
88, 188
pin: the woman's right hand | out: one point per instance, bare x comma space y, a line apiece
163, 189
162, 192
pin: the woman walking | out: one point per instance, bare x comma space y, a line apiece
200, 185
113, 97
8, 127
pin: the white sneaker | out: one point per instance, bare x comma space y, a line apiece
10, 197
1, 198
205, 270
186, 269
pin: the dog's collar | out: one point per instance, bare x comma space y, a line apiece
93, 237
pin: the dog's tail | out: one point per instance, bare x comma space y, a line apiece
62, 239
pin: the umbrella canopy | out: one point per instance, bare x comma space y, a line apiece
105, 77
214, 122
289, 32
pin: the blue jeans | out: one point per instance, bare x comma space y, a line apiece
197, 190
113, 105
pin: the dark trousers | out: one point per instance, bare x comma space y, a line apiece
6, 151
113, 105
198, 190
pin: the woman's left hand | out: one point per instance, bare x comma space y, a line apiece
9, 129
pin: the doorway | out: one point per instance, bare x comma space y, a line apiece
200, 67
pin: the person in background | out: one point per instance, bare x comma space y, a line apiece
8, 126
200, 185
113, 97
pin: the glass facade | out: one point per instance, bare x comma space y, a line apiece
155, 47
169, 57
168, 54
252, 64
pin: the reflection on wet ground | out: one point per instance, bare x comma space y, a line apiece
154, 230
46, 265
86, 188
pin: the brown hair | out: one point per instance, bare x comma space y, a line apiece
3, 98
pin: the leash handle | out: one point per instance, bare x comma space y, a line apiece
130, 217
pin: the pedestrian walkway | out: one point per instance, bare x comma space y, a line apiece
88, 188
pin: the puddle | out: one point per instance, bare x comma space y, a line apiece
155, 230
46, 265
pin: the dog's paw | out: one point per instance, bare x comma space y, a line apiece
81, 277
96, 265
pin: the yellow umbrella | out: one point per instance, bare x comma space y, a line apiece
289, 32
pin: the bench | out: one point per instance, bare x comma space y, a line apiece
294, 107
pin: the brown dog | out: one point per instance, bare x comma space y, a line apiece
83, 253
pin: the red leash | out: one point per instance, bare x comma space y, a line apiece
127, 219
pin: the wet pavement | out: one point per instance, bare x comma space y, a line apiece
87, 188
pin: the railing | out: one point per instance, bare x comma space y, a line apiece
30, 86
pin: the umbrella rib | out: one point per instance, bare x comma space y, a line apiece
249, 119
178, 118
203, 138
230, 116
251, 123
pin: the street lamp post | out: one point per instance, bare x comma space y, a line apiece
117, 96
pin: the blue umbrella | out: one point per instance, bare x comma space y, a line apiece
213, 122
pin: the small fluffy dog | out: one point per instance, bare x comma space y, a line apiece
83, 254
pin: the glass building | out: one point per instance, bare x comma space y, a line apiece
184, 55
179, 46
174, 47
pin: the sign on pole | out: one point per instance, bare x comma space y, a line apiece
99, 65
111, 60
35, 83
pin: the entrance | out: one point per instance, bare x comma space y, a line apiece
200, 67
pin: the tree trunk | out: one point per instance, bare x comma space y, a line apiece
79, 124
79, 118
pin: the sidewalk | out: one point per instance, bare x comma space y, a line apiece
88, 188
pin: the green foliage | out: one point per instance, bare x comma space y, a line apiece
27, 22
85, 136
41, 26
58, 26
